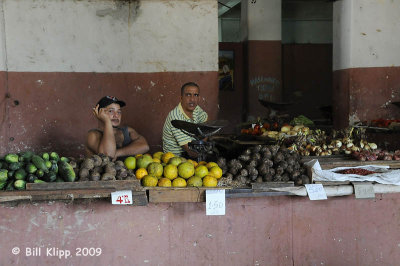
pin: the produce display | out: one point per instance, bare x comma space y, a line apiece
27, 167
263, 163
355, 171
167, 170
377, 154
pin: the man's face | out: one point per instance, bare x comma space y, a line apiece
190, 98
114, 113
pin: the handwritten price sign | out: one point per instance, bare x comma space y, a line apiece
215, 202
123, 197
316, 192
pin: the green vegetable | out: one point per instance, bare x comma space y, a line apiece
50, 177
20, 174
48, 164
45, 156
20, 184
31, 178
39, 173
3, 175
31, 168
11, 158
10, 185
3, 184
10, 173
64, 159
39, 163
301, 120
54, 167
54, 156
26, 156
66, 171
15, 166
39, 181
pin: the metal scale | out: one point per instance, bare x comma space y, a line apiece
199, 132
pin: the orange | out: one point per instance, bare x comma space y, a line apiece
175, 161
140, 173
155, 169
164, 182
144, 161
166, 156
201, 171
195, 164
202, 163
215, 171
156, 160
210, 181
170, 171
158, 155
130, 162
211, 164
137, 156
186, 170
179, 182
194, 181
149, 181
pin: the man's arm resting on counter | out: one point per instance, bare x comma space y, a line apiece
137, 146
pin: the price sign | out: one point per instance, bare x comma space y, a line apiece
123, 197
364, 190
316, 192
215, 202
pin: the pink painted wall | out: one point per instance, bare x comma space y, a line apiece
257, 231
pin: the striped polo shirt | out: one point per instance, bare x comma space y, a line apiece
173, 138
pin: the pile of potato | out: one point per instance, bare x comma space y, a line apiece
262, 163
100, 167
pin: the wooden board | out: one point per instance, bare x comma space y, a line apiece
114, 184
328, 162
158, 194
139, 198
265, 186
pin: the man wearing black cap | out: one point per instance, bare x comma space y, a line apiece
111, 139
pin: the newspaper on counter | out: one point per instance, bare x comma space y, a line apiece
383, 174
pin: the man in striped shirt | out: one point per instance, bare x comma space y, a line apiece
174, 140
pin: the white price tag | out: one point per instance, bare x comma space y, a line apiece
215, 202
364, 190
316, 192
123, 197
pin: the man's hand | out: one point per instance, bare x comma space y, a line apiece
100, 113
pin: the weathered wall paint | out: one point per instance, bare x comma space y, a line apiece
111, 36
259, 231
60, 57
366, 33
365, 60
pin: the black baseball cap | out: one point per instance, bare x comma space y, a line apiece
107, 100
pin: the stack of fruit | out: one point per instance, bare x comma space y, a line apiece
18, 169
168, 170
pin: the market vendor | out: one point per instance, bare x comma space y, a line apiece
174, 140
110, 138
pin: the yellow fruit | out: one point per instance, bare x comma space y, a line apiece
201, 171
130, 162
202, 163
210, 181
156, 160
158, 155
211, 164
183, 159
166, 156
164, 182
149, 181
179, 182
140, 173
195, 164
215, 171
194, 181
175, 161
155, 169
186, 170
144, 161
170, 171
138, 155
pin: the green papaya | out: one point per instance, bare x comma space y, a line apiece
39, 163
66, 171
